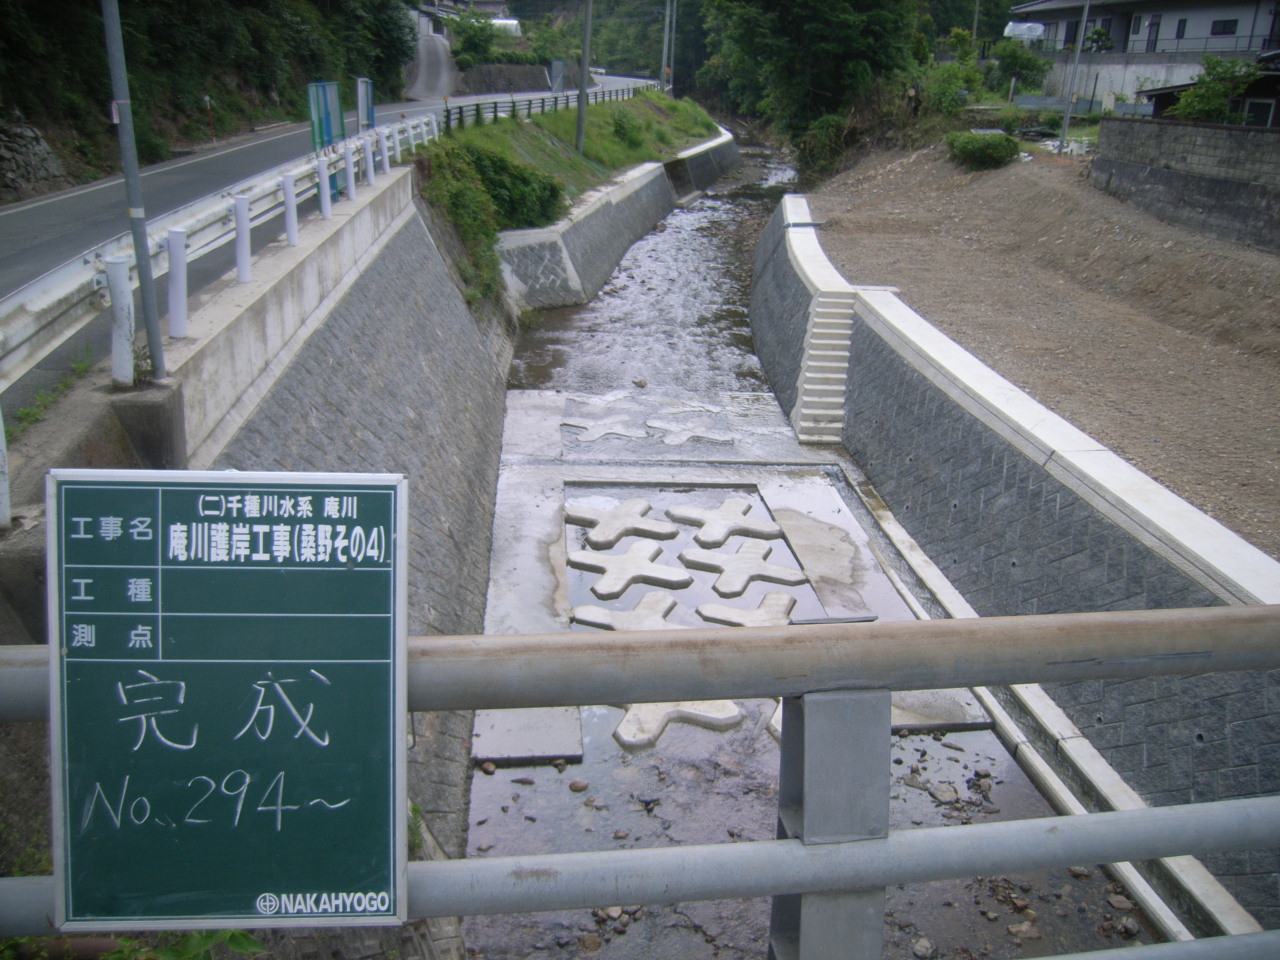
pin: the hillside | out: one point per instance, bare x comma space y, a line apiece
1162, 343
252, 59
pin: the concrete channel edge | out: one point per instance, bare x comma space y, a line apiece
1057, 756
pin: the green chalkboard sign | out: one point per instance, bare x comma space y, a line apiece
228, 698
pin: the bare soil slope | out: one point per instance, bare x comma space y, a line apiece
1160, 342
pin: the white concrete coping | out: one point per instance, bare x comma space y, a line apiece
1195, 543
724, 137
242, 335
1192, 541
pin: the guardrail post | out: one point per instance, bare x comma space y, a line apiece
395, 139
370, 175
177, 282
122, 334
290, 209
833, 787
349, 164
6, 509
244, 272
322, 187
386, 155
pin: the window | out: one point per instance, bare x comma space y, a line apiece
1223, 28
1051, 31
1258, 113
1073, 28
1137, 26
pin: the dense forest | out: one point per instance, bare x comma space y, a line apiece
202, 68
253, 60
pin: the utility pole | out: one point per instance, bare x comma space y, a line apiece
584, 80
976, 4
671, 54
133, 183
1071, 84
666, 46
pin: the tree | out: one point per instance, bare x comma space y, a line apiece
473, 35
1016, 62
809, 58
1209, 100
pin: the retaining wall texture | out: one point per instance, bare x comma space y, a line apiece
402, 378
780, 300
569, 262
1223, 180
1024, 528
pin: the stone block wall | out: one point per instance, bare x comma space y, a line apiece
779, 311
1223, 180
1027, 515
569, 262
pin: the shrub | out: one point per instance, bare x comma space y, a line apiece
453, 184
1209, 101
627, 127
822, 144
522, 196
981, 151
1014, 61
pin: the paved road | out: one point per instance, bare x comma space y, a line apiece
39, 235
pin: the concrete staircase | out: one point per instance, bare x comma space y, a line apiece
818, 414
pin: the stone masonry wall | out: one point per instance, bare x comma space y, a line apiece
1223, 180
1015, 538
402, 378
779, 311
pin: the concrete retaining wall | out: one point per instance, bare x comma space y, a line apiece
1025, 514
568, 263
1223, 180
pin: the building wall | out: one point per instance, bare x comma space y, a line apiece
1223, 180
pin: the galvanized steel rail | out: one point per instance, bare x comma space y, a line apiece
814, 665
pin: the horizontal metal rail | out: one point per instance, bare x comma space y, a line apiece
38, 317
526, 106
764, 867
566, 669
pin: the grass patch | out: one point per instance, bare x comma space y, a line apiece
44, 399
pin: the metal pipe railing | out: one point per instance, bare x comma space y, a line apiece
564, 669
498, 885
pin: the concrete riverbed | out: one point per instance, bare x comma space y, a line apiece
642, 425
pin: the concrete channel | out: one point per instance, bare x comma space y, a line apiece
650, 480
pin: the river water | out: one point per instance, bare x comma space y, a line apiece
672, 321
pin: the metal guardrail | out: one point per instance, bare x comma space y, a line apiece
835, 853
473, 113
40, 316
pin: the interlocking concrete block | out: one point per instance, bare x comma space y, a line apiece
738, 570
727, 520
649, 614
629, 519
618, 571
774, 611
645, 723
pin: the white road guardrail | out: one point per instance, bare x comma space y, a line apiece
39, 317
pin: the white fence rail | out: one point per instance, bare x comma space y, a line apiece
39, 317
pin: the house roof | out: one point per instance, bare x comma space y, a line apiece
1053, 6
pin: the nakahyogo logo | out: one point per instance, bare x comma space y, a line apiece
320, 903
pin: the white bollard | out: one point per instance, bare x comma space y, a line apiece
290, 209
349, 163
244, 272
386, 153
370, 177
322, 187
395, 139
122, 321
177, 282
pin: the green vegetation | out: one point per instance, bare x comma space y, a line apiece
516, 174
981, 151
43, 400
1210, 100
197, 945
252, 58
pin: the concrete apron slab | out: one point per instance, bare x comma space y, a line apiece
639, 510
